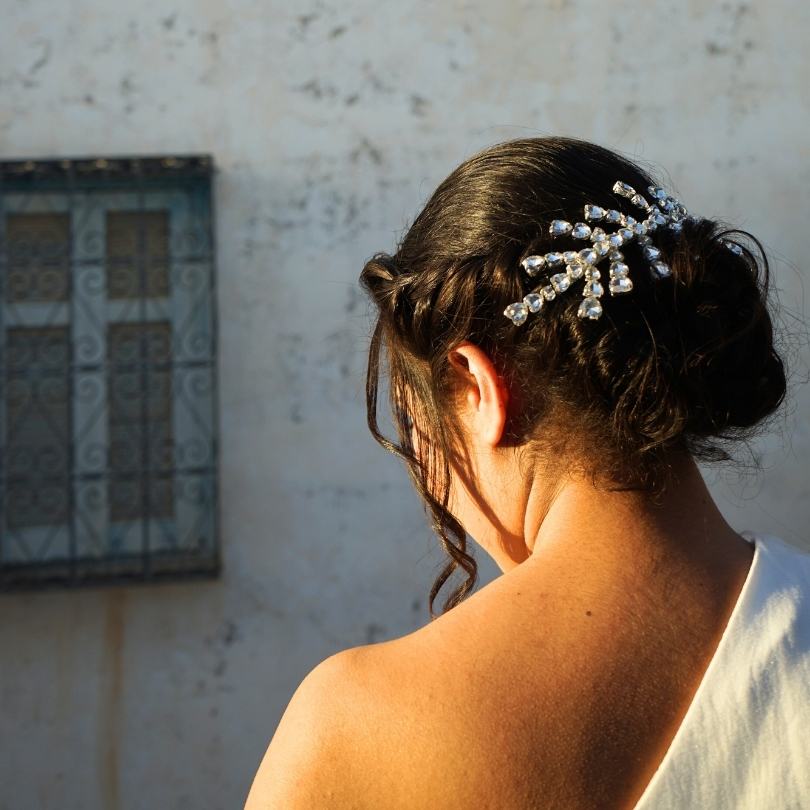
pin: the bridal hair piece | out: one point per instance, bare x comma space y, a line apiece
561, 269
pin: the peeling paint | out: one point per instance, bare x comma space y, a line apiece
44, 56
368, 149
419, 105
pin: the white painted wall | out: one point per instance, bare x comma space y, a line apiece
331, 123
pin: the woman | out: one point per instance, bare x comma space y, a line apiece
562, 341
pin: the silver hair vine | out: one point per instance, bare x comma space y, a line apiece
571, 265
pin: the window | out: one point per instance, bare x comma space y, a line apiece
108, 410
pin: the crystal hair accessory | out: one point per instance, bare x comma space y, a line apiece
561, 269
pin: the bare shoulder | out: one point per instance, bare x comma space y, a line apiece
424, 720
309, 760
432, 730
407, 726
482, 707
366, 728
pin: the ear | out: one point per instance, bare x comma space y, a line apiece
486, 395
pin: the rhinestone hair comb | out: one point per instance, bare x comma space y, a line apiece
562, 269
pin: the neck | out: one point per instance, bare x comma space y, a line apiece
606, 528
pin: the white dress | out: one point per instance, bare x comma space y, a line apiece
744, 743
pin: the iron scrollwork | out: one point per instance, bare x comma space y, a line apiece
108, 413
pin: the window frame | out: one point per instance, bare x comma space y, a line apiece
99, 549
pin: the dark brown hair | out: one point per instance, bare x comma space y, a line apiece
685, 363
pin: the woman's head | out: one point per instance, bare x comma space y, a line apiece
679, 365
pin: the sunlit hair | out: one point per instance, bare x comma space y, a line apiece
689, 365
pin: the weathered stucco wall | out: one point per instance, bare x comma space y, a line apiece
330, 124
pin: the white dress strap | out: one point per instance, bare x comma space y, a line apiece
744, 743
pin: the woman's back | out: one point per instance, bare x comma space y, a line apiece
532, 694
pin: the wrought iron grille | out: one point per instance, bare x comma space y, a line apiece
108, 411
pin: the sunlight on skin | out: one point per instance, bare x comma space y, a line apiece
478, 487
512, 510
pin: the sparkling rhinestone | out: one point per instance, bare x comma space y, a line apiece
627, 234
581, 230
602, 247
616, 255
592, 287
675, 227
618, 270
533, 301
644, 240
651, 224
570, 256
592, 274
588, 255
554, 259
533, 264
622, 188
667, 205
733, 247
593, 213
651, 252
612, 215
549, 292
619, 284
628, 222
559, 227
517, 313
597, 234
590, 308
575, 270
640, 228
616, 239
561, 282
659, 219
660, 269
638, 200
657, 192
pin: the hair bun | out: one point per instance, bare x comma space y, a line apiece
733, 374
